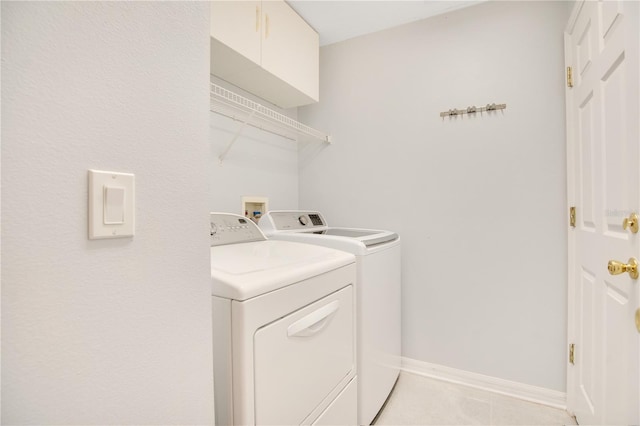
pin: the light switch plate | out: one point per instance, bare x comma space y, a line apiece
118, 188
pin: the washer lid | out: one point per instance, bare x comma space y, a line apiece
245, 270
368, 237
276, 222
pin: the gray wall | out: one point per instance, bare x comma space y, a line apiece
105, 331
478, 200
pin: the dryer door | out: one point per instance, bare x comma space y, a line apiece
300, 358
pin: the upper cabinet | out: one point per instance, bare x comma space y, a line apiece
236, 25
267, 49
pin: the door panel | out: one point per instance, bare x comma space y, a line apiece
616, 173
583, 56
587, 370
585, 118
617, 343
611, 10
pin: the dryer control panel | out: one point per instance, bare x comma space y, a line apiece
228, 228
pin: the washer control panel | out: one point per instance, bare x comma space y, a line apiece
228, 228
280, 220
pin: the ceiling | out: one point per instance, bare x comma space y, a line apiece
338, 20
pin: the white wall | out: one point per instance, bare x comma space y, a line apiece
259, 163
478, 200
105, 332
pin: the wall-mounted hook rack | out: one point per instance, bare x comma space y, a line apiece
472, 110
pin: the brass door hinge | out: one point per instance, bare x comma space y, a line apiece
569, 77
572, 348
572, 217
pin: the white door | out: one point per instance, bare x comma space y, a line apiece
601, 47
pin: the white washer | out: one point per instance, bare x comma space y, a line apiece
377, 296
283, 329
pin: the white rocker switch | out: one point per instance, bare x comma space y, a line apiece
113, 205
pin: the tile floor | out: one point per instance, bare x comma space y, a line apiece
418, 400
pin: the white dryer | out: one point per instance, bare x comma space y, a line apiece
283, 329
378, 294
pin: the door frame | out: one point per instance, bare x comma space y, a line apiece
571, 201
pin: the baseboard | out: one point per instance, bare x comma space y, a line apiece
531, 393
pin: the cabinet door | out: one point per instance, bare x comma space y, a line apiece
290, 47
237, 24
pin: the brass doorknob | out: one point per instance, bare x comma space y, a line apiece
616, 268
631, 222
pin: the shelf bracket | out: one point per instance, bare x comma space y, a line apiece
235, 137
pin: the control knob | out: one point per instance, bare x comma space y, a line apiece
303, 220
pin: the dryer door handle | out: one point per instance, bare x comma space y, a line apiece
314, 322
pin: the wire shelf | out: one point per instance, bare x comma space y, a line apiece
237, 107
